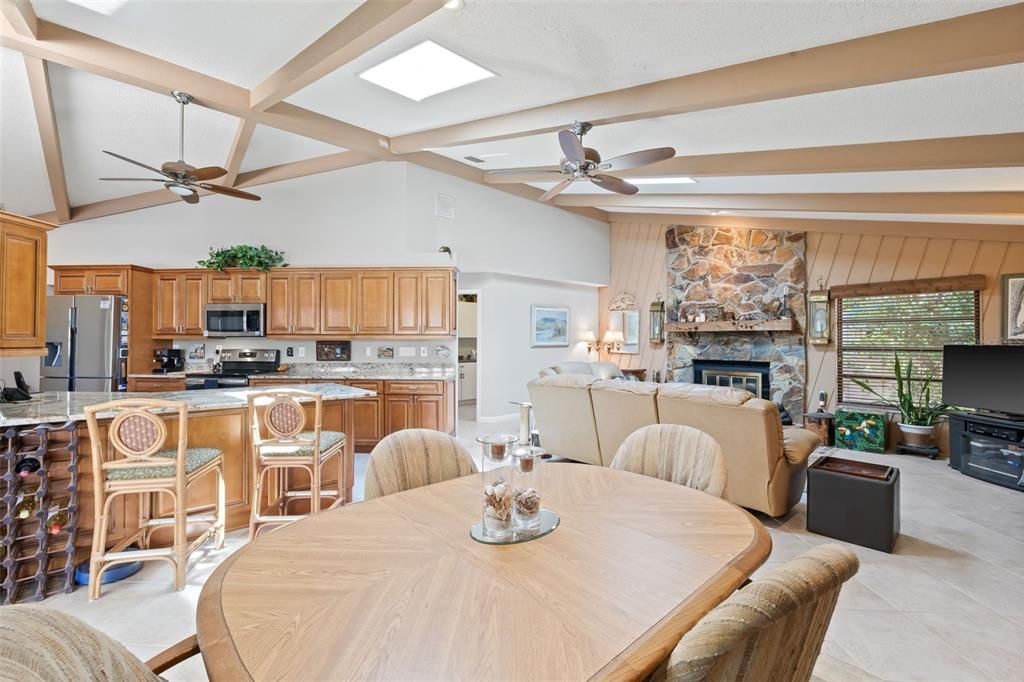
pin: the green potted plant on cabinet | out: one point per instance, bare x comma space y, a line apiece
244, 256
917, 412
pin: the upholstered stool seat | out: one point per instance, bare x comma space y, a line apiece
329, 440
195, 459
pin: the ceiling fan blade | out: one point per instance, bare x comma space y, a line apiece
229, 191
189, 198
571, 146
137, 163
613, 184
557, 189
207, 173
136, 179
637, 159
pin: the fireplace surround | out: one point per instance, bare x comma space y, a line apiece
749, 376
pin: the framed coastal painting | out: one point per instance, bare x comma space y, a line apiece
549, 326
1013, 308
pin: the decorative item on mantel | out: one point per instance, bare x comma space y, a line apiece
244, 256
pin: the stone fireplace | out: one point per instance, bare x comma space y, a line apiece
749, 376
743, 276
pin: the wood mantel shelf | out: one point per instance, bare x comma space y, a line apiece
780, 325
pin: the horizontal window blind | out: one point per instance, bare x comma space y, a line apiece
873, 330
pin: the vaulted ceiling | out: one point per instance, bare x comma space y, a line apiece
277, 87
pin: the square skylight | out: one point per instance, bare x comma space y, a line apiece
425, 70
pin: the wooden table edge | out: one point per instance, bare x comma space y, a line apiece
220, 656
642, 657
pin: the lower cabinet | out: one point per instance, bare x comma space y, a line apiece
368, 415
416, 405
155, 384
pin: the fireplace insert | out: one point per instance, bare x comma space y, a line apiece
749, 376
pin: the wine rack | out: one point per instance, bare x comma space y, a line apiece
37, 555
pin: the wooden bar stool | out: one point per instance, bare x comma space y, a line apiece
280, 444
130, 459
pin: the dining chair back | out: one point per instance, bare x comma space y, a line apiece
132, 456
412, 458
671, 452
772, 629
45, 644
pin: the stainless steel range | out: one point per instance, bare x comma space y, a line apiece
235, 367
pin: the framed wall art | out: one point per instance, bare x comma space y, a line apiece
549, 326
1013, 308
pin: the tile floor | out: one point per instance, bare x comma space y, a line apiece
946, 606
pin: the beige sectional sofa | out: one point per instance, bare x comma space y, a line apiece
585, 418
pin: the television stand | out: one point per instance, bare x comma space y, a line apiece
987, 448
998, 416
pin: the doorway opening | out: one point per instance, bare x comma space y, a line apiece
468, 323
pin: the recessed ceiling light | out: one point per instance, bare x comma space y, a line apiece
425, 70
679, 180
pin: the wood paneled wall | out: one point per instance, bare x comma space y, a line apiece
638, 267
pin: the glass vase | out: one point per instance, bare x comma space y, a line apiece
497, 479
526, 497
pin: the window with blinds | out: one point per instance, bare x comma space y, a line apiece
872, 330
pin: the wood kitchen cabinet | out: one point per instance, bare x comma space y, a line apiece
375, 302
293, 303
96, 280
338, 304
155, 384
423, 302
368, 414
243, 286
178, 299
417, 405
22, 285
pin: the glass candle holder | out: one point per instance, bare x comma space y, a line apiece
526, 463
497, 480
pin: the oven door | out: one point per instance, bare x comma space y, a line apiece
233, 319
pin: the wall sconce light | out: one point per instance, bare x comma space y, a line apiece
818, 312
588, 338
612, 341
657, 320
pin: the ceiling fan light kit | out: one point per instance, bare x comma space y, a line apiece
585, 163
179, 177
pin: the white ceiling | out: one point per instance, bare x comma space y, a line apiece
550, 51
542, 52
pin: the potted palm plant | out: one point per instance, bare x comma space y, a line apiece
917, 413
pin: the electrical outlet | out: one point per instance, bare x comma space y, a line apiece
423, 351
302, 351
369, 351
289, 351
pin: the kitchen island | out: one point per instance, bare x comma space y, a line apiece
218, 418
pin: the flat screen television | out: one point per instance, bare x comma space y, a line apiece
984, 377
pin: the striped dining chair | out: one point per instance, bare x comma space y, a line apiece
675, 453
770, 630
412, 458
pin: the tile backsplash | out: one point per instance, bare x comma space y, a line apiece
363, 350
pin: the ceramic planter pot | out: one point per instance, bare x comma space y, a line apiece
917, 435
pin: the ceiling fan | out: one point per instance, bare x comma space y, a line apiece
584, 163
181, 178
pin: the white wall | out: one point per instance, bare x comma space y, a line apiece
496, 232
506, 362
28, 366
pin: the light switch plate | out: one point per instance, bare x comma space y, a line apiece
423, 351
302, 351
369, 351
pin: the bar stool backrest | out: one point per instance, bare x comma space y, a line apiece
135, 434
284, 418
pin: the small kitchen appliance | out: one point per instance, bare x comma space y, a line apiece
170, 359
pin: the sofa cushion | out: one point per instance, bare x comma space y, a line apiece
565, 380
635, 387
573, 368
605, 370
718, 394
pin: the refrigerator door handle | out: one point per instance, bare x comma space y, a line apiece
72, 350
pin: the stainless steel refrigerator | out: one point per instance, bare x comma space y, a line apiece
86, 344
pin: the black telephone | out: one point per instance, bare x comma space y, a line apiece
18, 394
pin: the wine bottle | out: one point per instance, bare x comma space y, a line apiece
56, 519
28, 464
26, 504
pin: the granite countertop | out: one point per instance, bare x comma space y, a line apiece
61, 406
335, 371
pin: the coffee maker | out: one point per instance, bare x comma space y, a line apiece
170, 359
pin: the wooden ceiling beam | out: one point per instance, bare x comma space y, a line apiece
21, 17
42, 102
236, 154
972, 151
76, 50
368, 26
950, 203
973, 41
988, 231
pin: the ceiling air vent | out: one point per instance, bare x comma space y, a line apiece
444, 206
474, 159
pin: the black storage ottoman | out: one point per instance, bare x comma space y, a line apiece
856, 502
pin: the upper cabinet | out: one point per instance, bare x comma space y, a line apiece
293, 303
243, 286
100, 280
22, 285
374, 303
424, 302
178, 300
338, 305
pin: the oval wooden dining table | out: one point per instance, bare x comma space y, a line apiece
395, 588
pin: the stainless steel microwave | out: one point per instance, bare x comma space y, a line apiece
234, 319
